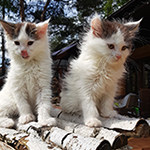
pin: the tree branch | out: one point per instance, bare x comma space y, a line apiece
22, 15
45, 7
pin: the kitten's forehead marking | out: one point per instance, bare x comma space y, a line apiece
112, 28
28, 31
14, 30
31, 31
23, 37
17, 30
117, 37
108, 29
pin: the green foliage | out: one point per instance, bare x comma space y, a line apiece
111, 6
108, 7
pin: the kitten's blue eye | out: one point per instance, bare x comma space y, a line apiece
124, 48
30, 43
111, 46
16, 42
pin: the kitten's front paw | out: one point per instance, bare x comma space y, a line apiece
93, 122
47, 122
110, 114
26, 118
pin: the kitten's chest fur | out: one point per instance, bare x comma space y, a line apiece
32, 83
28, 77
104, 76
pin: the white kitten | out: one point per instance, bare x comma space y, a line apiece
27, 89
91, 83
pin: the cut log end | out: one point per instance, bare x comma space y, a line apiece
120, 141
104, 145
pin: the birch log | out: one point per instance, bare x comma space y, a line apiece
4, 146
20, 140
116, 139
131, 127
67, 140
77, 142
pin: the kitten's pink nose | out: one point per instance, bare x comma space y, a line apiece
118, 56
24, 54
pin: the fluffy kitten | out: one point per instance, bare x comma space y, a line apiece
27, 89
91, 84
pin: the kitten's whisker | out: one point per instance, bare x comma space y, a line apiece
143, 40
134, 64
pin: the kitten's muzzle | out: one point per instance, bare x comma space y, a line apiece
118, 56
24, 54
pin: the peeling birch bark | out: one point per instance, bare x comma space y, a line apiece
4, 146
68, 140
20, 140
77, 142
115, 139
71, 133
34, 129
127, 126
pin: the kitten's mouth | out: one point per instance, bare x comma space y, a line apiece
25, 57
24, 54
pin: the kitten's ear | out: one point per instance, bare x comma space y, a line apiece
133, 26
42, 27
8, 27
96, 27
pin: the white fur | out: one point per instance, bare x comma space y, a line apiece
27, 89
133, 23
92, 81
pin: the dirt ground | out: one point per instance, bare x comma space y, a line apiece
139, 144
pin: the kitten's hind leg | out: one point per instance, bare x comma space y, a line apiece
6, 122
7, 110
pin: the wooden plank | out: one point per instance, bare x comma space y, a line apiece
141, 52
145, 102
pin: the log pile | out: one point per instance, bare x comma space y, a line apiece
71, 134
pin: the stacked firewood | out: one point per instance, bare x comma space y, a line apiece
71, 134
